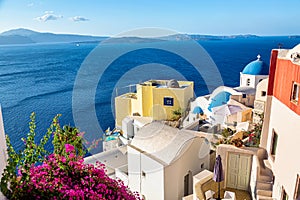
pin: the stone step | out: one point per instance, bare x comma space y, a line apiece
266, 172
262, 178
264, 186
267, 164
266, 193
259, 197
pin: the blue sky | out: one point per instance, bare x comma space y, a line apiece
110, 17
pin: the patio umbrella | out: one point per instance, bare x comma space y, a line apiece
218, 173
226, 109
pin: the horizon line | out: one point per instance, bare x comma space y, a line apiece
179, 33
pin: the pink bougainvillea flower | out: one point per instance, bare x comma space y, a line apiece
69, 148
72, 155
76, 180
63, 159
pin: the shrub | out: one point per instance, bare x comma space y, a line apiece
35, 173
255, 133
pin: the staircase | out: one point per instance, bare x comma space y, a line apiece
264, 184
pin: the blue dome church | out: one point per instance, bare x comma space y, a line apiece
253, 73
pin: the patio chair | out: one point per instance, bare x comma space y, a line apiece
229, 195
209, 195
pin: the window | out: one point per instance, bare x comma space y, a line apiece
284, 195
263, 93
297, 188
274, 144
248, 81
187, 181
244, 96
202, 165
143, 174
168, 101
295, 92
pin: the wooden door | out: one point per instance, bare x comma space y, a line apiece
232, 170
238, 171
244, 172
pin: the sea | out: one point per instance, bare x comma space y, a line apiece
41, 78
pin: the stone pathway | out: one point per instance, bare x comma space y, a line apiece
239, 194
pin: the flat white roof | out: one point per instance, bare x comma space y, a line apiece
112, 159
141, 121
245, 90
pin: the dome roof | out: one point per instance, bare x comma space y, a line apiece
198, 110
256, 67
173, 84
220, 99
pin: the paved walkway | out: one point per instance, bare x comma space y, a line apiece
239, 194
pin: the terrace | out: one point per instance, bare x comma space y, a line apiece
128, 96
167, 84
203, 184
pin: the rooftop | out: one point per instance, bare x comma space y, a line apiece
167, 84
128, 96
220, 99
291, 54
112, 159
163, 142
245, 90
141, 121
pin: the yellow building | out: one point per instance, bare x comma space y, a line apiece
154, 98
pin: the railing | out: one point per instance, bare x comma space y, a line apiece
125, 89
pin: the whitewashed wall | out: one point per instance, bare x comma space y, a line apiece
192, 159
286, 165
151, 184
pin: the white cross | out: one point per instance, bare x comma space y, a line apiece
258, 57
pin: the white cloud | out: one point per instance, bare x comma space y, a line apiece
79, 19
49, 15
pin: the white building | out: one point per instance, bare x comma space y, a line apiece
115, 161
252, 74
162, 161
260, 100
132, 124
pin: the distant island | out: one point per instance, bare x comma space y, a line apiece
26, 36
